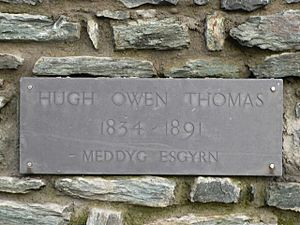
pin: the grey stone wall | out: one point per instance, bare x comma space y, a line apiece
149, 38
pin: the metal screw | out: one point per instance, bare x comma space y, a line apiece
29, 164
273, 89
30, 87
272, 166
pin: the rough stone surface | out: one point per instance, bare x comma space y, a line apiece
144, 13
208, 189
292, 1
276, 32
18, 185
15, 213
205, 68
297, 110
151, 34
247, 5
297, 135
8, 131
277, 66
116, 15
215, 32
93, 31
233, 219
257, 195
25, 27
284, 196
291, 135
8, 61
96, 66
30, 2
201, 2
104, 217
137, 3
147, 191
7, 92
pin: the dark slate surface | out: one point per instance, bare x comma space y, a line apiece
150, 126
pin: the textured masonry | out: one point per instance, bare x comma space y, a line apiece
166, 39
25, 27
135, 3
212, 67
277, 32
213, 220
208, 189
19, 186
284, 196
31, 2
96, 66
29, 213
215, 32
278, 66
100, 216
8, 61
247, 5
151, 34
93, 31
147, 191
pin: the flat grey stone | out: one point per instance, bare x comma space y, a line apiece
127, 126
292, 1
212, 67
15, 213
233, 219
147, 191
215, 32
104, 217
276, 66
151, 34
201, 2
19, 185
30, 2
277, 32
297, 110
247, 5
26, 27
116, 15
209, 189
93, 32
91, 65
8, 61
284, 196
137, 3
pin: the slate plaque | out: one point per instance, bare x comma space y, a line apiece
151, 126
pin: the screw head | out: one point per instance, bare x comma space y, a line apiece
29, 164
272, 166
29, 87
273, 88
